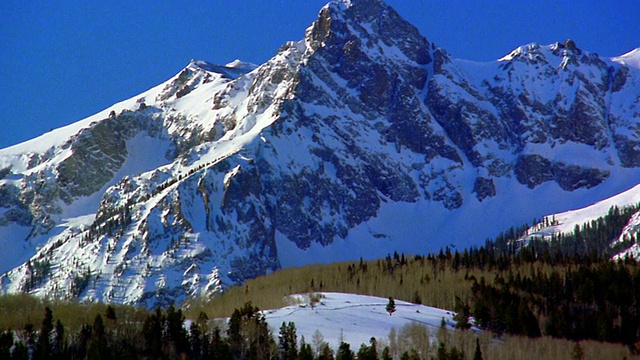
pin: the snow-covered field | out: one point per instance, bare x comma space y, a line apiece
353, 318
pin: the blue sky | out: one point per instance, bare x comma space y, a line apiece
61, 61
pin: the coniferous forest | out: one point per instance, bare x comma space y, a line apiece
564, 296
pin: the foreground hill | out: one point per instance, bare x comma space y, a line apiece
354, 318
359, 140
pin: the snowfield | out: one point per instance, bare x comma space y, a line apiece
354, 318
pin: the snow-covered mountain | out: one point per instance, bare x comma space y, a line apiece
361, 139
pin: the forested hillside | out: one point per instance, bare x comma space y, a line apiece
541, 296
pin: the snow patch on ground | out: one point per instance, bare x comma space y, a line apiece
356, 318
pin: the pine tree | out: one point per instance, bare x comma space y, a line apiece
577, 353
325, 352
20, 351
386, 353
477, 354
219, 346
175, 331
59, 343
98, 343
248, 333
110, 313
288, 341
152, 332
443, 332
368, 352
391, 306
345, 352
416, 298
6, 342
306, 352
196, 340
463, 312
410, 355
44, 340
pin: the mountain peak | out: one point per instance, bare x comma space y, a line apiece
559, 55
370, 24
345, 4
534, 50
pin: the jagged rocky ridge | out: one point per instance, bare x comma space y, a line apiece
360, 139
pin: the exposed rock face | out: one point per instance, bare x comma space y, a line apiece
534, 170
207, 174
484, 188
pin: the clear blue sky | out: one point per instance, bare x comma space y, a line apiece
61, 61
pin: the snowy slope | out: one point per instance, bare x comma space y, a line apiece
632, 58
565, 222
356, 318
361, 139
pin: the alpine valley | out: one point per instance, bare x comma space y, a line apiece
359, 140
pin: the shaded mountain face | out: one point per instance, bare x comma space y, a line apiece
361, 139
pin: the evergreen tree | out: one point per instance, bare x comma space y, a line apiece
110, 313
20, 351
325, 352
577, 353
391, 306
6, 342
416, 299
369, 352
59, 345
98, 344
345, 352
456, 354
452, 354
44, 339
442, 353
528, 322
176, 334
288, 341
463, 312
306, 352
204, 330
477, 354
443, 332
80, 349
219, 346
249, 335
410, 355
152, 333
386, 353
195, 341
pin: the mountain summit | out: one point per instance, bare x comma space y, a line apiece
361, 139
